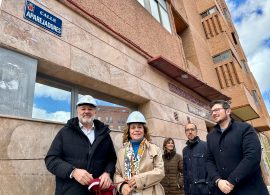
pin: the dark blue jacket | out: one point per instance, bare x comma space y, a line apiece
194, 168
235, 155
71, 148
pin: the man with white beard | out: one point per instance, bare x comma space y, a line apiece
81, 151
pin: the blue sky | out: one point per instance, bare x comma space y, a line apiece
47, 103
252, 22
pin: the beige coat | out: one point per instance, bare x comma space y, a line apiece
151, 170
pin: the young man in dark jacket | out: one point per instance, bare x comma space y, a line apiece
234, 154
81, 151
194, 167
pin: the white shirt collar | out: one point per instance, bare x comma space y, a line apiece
82, 127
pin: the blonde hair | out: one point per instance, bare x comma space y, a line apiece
126, 135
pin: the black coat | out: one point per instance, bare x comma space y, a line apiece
196, 181
72, 149
235, 155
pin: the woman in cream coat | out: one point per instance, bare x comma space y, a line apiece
139, 167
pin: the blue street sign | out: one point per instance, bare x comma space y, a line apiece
42, 18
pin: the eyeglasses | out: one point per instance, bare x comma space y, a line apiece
191, 129
216, 110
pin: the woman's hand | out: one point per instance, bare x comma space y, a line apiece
132, 183
126, 190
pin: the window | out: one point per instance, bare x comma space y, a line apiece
209, 12
244, 66
154, 10
223, 56
165, 19
158, 10
255, 97
225, 13
51, 102
234, 38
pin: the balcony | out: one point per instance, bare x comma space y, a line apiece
179, 9
213, 25
179, 16
261, 124
243, 105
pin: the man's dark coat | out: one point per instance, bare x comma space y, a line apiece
72, 149
196, 181
235, 155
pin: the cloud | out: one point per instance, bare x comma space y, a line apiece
245, 9
252, 28
251, 19
59, 116
54, 93
259, 66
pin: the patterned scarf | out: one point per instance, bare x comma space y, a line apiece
131, 162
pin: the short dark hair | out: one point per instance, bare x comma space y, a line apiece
195, 126
225, 104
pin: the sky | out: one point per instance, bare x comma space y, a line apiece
252, 22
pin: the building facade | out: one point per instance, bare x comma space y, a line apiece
168, 59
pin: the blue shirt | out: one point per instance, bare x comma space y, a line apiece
135, 146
